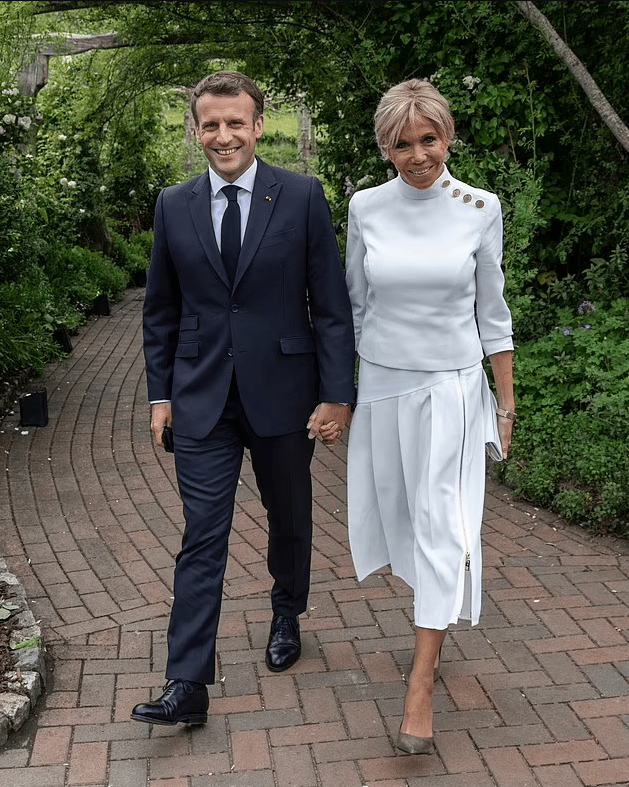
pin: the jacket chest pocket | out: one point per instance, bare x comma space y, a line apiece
189, 322
276, 239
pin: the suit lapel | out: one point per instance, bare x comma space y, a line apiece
201, 211
263, 198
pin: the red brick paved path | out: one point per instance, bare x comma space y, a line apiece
90, 521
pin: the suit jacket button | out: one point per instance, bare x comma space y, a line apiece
230, 352
234, 307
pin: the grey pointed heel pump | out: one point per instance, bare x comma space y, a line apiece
410, 744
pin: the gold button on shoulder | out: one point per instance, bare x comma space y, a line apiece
456, 193
479, 203
445, 184
467, 198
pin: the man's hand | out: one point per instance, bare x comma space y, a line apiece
161, 416
328, 421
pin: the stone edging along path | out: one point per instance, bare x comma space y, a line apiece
27, 680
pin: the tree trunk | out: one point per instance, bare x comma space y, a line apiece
191, 138
578, 70
304, 125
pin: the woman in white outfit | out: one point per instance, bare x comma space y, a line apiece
424, 274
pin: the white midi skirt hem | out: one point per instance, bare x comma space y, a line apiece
416, 484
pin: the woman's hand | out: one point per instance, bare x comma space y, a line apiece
505, 431
502, 369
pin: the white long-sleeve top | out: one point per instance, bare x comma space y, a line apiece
424, 274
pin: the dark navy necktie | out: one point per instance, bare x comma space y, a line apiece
230, 231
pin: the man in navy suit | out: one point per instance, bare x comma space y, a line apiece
248, 342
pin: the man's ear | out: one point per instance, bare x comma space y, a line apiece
258, 127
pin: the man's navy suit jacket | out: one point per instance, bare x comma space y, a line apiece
284, 326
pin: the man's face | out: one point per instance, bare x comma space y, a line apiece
227, 133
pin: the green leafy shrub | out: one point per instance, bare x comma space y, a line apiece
570, 451
144, 241
78, 276
60, 292
573, 504
129, 256
26, 323
20, 217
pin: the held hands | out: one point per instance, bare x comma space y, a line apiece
328, 421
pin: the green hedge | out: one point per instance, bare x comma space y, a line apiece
570, 450
60, 291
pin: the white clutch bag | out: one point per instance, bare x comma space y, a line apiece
490, 420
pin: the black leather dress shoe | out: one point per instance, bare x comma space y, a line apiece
182, 702
284, 646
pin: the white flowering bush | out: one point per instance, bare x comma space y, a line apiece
470, 81
51, 205
16, 117
70, 182
20, 238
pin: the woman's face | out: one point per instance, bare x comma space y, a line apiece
419, 153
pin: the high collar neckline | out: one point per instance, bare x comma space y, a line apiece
437, 188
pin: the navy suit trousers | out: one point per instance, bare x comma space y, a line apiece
207, 474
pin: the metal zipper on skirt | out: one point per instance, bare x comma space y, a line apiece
466, 606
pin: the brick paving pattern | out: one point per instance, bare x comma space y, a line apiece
90, 522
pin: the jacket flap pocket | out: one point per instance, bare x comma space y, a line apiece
189, 322
278, 237
297, 344
187, 350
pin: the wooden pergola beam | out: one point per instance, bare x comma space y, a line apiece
33, 77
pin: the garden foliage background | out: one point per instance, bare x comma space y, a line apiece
81, 165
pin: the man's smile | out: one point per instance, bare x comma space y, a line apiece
225, 151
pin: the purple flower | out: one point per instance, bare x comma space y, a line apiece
587, 307
567, 331
585, 327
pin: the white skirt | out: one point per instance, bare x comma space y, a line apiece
416, 484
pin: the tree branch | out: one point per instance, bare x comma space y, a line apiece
578, 70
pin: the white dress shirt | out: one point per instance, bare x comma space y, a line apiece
218, 200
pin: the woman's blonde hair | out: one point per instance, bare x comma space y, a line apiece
405, 103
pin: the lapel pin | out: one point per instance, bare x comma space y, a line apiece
267, 198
